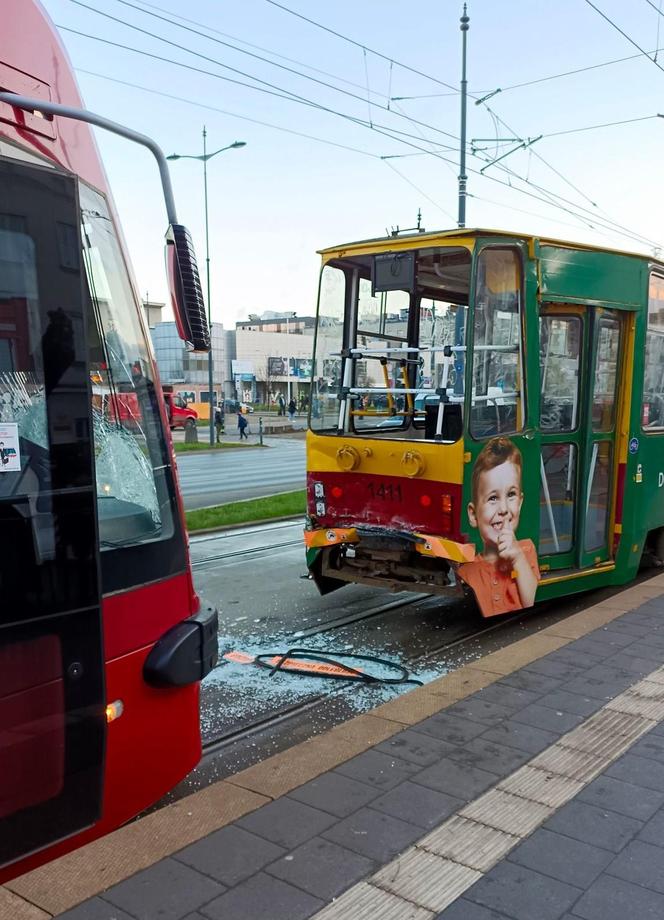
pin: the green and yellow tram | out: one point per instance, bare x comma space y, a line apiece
486, 416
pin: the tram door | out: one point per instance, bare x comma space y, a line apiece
52, 719
580, 360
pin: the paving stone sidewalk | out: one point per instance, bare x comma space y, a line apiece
598, 857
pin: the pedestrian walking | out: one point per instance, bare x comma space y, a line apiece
282, 404
219, 422
292, 409
242, 424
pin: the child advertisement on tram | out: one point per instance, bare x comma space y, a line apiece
505, 573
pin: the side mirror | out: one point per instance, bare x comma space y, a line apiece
185, 289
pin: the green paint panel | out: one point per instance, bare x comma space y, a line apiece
583, 276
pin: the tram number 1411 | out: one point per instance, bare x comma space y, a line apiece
386, 492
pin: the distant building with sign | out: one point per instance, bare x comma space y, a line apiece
187, 371
264, 357
278, 346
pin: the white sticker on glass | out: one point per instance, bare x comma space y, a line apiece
10, 457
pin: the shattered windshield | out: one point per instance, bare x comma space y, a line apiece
132, 494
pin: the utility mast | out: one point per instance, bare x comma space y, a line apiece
464, 95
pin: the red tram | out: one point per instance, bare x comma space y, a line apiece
103, 641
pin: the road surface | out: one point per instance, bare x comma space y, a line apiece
231, 475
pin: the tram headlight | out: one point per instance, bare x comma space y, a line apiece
319, 490
320, 508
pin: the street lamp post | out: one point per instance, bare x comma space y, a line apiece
289, 316
204, 159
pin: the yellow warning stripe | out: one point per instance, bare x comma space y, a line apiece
330, 536
445, 549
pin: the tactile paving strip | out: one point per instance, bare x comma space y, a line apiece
445, 863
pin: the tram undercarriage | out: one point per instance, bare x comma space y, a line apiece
382, 563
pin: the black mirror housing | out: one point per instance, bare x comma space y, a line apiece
185, 289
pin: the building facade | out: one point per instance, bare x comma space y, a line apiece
277, 350
263, 358
188, 371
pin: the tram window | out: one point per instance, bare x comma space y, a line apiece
557, 498
133, 497
652, 412
597, 507
606, 375
384, 313
326, 371
560, 338
382, 325
497, 404
441, 324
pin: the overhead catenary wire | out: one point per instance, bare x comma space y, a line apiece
249, 76
214, 108
226, 44
357, 44
300, 100
624, 34
536, 154
593, 215
511, 207
265, 124
236, 70
656, 8
596, 219
606, 124
393, 133
537, 80
242, 41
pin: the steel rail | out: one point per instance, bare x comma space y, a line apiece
246, 552
272, 720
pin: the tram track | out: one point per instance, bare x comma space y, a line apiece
273, 720
352, 618
251, 739
428, 635
251, 551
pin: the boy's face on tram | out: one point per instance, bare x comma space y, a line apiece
496, 508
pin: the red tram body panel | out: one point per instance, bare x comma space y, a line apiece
96, 586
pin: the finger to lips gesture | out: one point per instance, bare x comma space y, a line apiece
507, 546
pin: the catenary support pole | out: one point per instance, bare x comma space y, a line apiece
463, 178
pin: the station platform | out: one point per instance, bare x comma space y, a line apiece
527, 785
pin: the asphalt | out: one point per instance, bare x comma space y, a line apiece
528, 785
214, 477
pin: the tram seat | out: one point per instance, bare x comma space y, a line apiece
452, 421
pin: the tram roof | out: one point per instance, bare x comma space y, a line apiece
464, 233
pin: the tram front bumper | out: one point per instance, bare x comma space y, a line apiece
395, 559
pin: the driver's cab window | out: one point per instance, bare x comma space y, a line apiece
382, 328
410, 344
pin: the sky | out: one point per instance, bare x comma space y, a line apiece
319, 112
